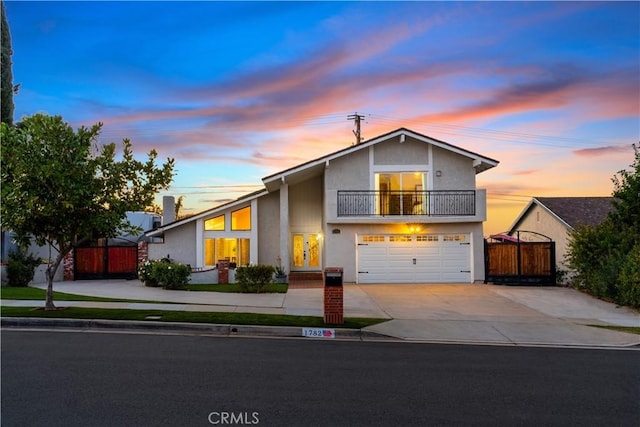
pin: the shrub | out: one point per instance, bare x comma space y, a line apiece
170, 275
628, 284
21, 268
164, 272
145, 273
253, 278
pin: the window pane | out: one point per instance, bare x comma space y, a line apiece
241, 220
209, 252
227, 249
244, 252
215, 224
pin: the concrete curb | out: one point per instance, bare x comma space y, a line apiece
188, 328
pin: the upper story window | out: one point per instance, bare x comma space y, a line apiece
215, 224
401, 193
241, 219
401, 181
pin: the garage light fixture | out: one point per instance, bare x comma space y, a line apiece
415, 227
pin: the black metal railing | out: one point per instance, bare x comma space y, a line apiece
387, 203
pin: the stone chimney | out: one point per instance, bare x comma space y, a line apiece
168, 209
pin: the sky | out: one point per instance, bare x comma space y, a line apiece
236, 91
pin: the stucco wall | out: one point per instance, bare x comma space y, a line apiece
180, 245
541, 221
305, 206
348, 173
269, 228
457, 171
394, 152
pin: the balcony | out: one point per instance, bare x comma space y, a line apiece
456, 203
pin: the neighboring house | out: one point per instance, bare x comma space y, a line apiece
556, 217
399, 208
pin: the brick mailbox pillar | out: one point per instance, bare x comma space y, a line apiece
223, 272
333, 296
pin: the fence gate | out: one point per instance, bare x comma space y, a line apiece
106, 262
520, 262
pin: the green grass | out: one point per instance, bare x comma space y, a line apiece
25, 293
234, 288
629, 329
189, 317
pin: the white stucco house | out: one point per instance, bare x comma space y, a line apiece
398, 208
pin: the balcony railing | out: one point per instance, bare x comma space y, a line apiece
387, 203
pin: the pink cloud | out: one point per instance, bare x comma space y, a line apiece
602, 151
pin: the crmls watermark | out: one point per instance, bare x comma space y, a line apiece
234, 418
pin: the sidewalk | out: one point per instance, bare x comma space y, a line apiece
462, 313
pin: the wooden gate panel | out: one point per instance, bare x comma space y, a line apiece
109, 262
89, 260
122, 260
504, 259
520, 262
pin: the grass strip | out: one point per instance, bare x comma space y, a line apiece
629, 329
234, 288
25, 293
187, 317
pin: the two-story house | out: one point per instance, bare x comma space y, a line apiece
398, 208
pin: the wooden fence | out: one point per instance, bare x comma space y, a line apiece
520, 262
108, 262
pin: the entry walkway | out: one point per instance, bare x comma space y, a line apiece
437, 313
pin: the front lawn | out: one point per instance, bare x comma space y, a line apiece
629, 329
186, 316
234, 288
26, 293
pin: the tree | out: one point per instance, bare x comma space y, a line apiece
6, 76
626, 193
60, 188
606, 257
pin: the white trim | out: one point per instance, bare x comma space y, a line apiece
200, 243
253, 239
372, 173
285, 235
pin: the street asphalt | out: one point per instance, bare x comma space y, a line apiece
451, 313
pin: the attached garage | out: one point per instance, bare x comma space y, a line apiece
421, 258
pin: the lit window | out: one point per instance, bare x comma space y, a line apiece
399, 238
241, 219
372, 239
401, 193
232, 250
215, 224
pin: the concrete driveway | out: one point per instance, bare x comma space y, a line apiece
499, 314
461, 313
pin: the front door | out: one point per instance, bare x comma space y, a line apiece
306, 252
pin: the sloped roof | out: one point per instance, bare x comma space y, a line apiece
481, 163
571, 211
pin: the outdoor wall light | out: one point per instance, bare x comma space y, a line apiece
414, 227
438, 173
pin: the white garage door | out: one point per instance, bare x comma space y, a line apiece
424, 258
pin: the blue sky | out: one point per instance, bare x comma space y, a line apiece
235, 91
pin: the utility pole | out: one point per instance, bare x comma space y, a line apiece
357, 117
